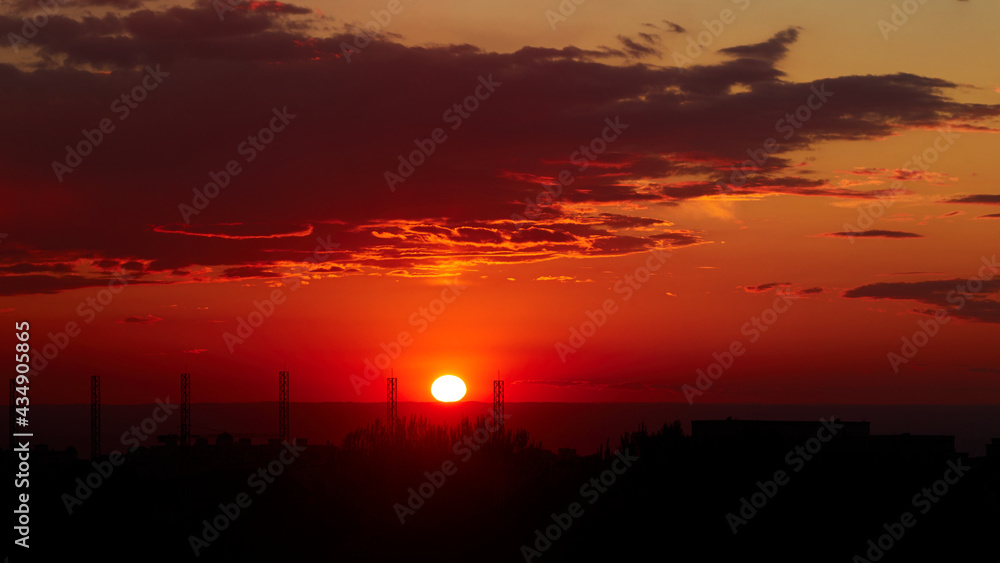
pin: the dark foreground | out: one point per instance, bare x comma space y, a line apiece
733, 490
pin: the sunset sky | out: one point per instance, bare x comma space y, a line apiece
884, 128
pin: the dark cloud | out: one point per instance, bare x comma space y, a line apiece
323, 176
117, 4
874, 233
928, 291
765, 287
28, 284
25, 268
28, 6
970, 299
641, 48
782, 287
238, 231
650, 38
677, 238
538, 235
628, 222
990, 199
273, 7
249, 272
140, 319
772, 50
668, 26
673, 27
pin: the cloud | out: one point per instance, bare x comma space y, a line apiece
772, 50
673, 27
140, 319
561, 279
272, 7
315, 182
29, 284
989, 199
669, 27
29, 6
990, 216
249, 272
765, 287
26, 268
874, 233
237, 231
642, 48
902, 174
786, 288
933, 292
969, 299
616, 221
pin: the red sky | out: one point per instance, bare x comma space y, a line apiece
662, 189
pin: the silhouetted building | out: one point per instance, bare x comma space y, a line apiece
169, 440
993, 449
795, 430
909, 444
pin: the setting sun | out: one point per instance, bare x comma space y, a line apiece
448, 388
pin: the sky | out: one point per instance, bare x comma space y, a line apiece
711, 202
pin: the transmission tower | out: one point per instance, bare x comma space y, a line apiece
95, 416
185, 409
390, 402
283, 432
498, 402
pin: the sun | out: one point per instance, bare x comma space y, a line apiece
448, 388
